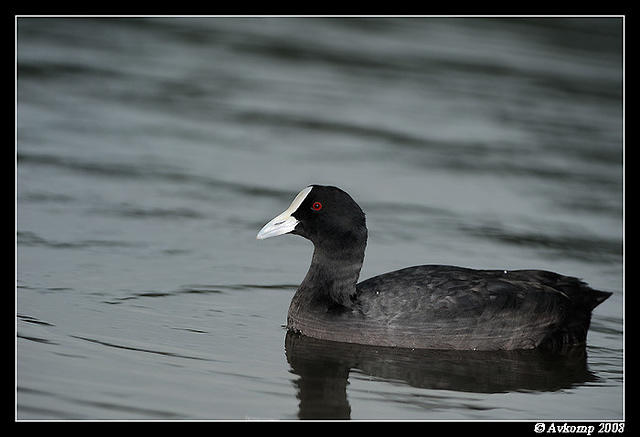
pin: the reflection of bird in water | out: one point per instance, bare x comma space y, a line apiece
323, 368
428, 306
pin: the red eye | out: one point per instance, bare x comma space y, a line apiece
317, 206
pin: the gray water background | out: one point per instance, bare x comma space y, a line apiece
150, 151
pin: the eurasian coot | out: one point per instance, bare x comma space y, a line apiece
426, 306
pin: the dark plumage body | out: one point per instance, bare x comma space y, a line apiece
448, 307
427, 306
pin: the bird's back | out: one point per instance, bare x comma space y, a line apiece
448, 307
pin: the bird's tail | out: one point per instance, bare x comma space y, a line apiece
596, 297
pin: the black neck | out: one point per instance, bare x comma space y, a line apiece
333, 274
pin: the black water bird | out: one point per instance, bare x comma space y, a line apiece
426, 306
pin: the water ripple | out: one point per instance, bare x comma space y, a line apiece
585, 247
28, 238
141, 349
138, 171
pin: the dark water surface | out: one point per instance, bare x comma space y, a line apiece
151, 151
